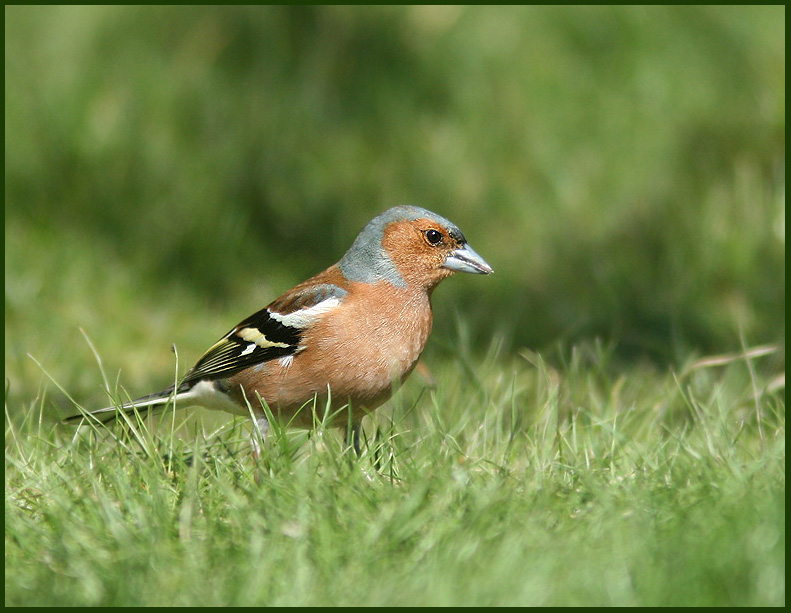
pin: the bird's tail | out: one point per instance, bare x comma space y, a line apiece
151, 404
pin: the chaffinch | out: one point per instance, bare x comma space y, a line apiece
348, 334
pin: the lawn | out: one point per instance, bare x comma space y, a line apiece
600, 422
521, 485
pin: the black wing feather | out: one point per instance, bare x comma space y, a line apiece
233, 353
260, 337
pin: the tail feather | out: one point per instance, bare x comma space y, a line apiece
151, 404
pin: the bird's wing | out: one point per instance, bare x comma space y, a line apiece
273, 332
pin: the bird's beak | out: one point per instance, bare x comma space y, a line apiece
464, 259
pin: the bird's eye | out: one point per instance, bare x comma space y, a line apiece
434, 237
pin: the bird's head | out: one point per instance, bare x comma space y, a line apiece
409, 246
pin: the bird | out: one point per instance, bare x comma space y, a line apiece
344, 339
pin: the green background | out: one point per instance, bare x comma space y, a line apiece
170, 170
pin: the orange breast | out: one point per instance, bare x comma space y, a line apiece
358, 351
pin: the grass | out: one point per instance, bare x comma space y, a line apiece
169, 171
520, 485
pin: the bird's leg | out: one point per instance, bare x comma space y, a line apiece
378, 450
353, 431
258, 435
257, 440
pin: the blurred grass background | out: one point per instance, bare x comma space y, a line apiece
170, 170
